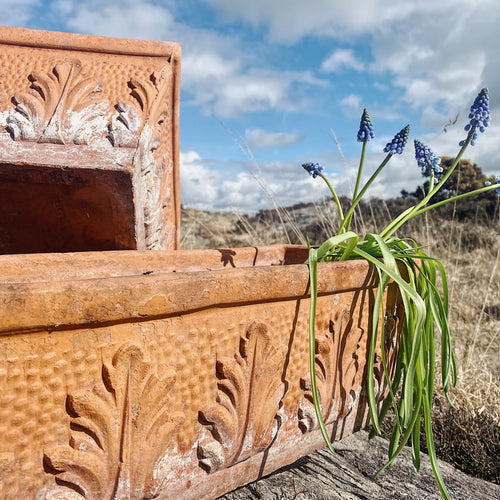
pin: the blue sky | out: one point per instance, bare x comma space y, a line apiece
266, 82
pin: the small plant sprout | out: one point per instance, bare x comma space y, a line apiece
421, 280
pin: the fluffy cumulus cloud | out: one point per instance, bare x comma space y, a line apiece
123, 19
441, 54
217, 73
258, 138
233, 91
246, 186
436, 50
342, 59
198, 183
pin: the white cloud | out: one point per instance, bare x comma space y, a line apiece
351, 105
208, 185
218, 74
198, 183
122, 19
17, 13
225, 88
341, 59
257, 138
289, 21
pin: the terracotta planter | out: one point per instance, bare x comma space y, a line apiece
132, 375
89, 143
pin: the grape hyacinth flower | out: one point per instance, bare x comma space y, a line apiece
365, 128
427, 160
398, 144
488, 183
479, 116
314, 169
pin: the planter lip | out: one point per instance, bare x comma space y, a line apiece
88, 43
63, 291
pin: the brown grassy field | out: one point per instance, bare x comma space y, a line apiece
468, 435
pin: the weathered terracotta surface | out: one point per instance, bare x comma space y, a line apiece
88, 143
126, 375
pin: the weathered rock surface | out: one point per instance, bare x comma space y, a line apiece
348, 475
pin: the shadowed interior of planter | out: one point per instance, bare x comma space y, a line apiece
64, 209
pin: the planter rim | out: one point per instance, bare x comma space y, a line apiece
87, 43
64, 291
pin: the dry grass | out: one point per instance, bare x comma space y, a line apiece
469, 434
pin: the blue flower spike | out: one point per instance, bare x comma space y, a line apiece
427, 160
479, 116
488, 183
398, 144
365, 128
314, 169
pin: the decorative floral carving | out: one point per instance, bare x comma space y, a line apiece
339, 368
124, 126
62, 107
245, 418
152, 161
119, 431
150, 106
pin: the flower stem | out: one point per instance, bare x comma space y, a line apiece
360, 169
335, 197
358, 180
412, 211
358, 198
455, 198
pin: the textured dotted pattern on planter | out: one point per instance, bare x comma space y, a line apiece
35, 386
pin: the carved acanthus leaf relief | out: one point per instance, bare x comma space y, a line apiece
339, 366
124, 126
153, 99
246, 416
149, 106
63, 106
119, 431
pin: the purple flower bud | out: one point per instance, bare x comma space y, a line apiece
479, 115
427, 160
398, 144
365, 128
488, 183
314, 169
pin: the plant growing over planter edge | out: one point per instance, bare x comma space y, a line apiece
425, 300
